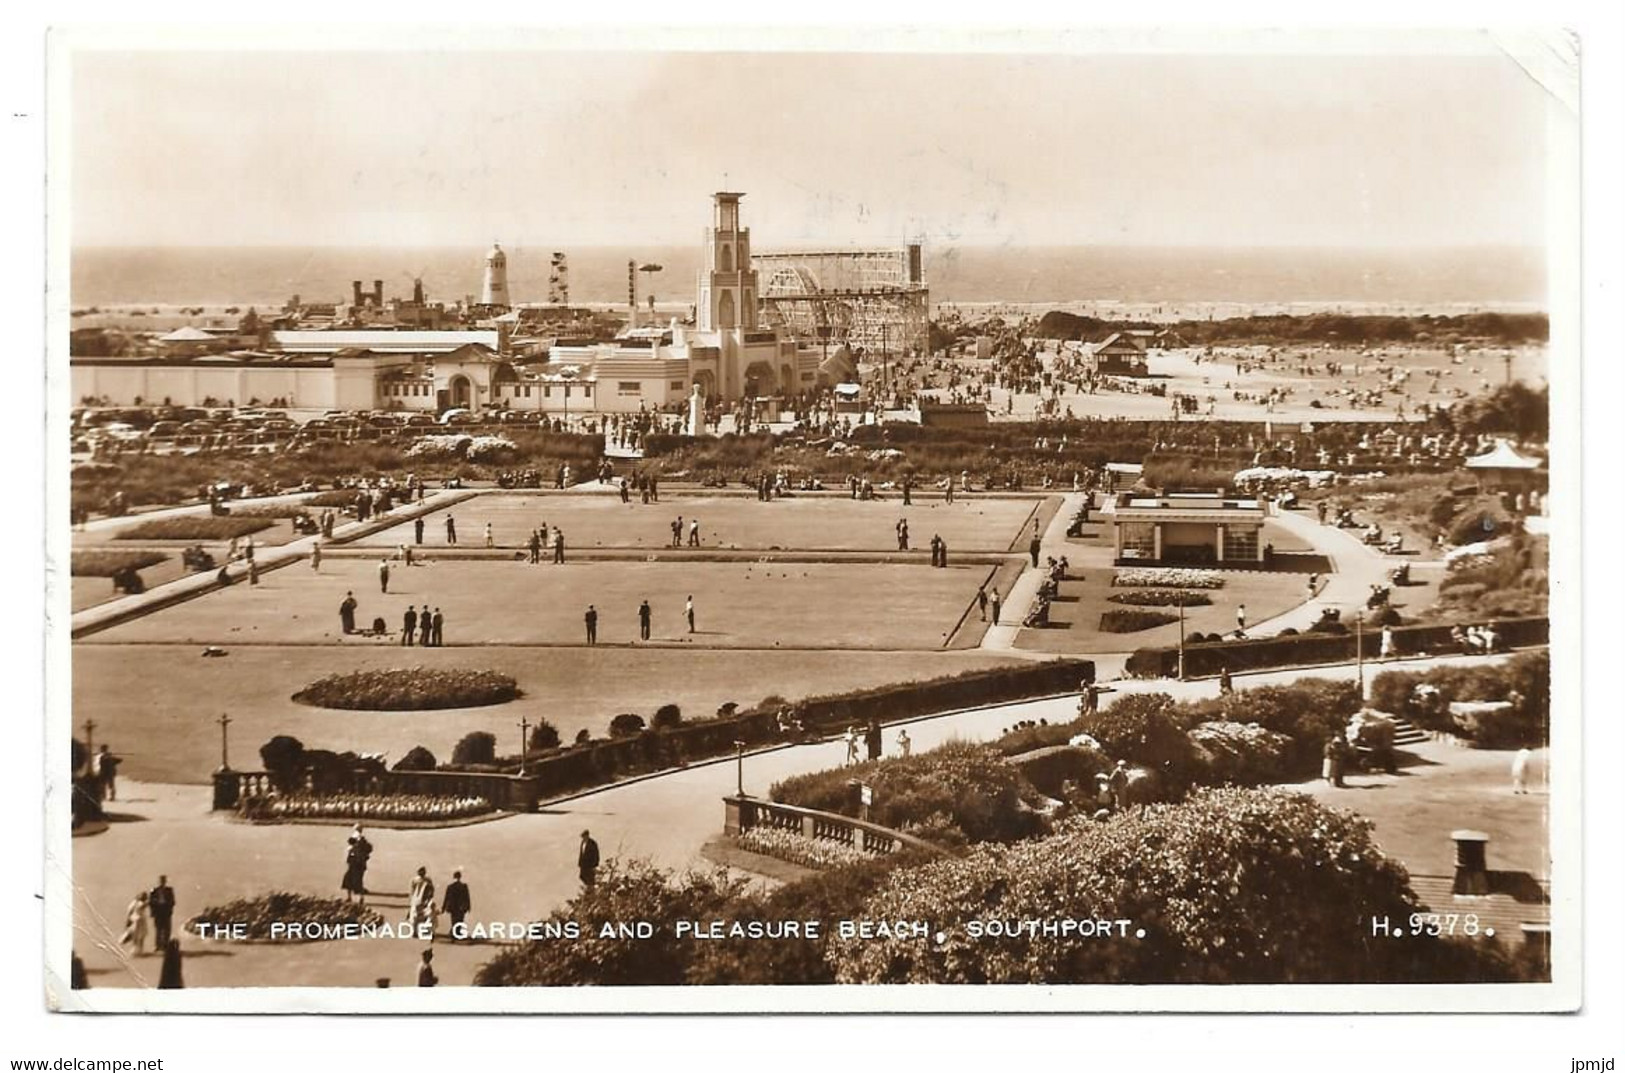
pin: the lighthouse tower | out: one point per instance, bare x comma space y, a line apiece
495, 290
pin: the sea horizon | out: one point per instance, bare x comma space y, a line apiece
1486, 276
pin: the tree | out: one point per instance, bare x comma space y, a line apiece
626, 725
476, 747
543, 736
667, 715
417, 759
284, 760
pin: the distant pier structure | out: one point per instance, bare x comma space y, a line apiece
870, 300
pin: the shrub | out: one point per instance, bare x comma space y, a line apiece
416, 759
583, 736
1483, 519
411, 689
98, 562
1048, 770
284, 907
1196, 876
837, 893
1525, 680
1241, 754
284, 760
543, 736
970, 784
1161, 598
625, 892
667, 715
1134, 621
1141, 729
626, 725
1307, 711
1330, 626
194, 527
476, 747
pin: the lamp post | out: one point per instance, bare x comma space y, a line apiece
524, 741
739, 758
224, 721
1181, 640
90, 739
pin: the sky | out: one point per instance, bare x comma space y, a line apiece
457, 146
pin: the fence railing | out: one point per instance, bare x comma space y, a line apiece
740, 814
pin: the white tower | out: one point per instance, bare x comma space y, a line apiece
495, 290
727, 281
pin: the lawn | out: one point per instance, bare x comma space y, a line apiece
195, 527
163, 724
737, 604
805, 523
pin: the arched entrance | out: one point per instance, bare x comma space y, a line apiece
459, 393
759, 379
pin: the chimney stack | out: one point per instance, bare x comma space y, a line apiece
355, 292
378, 293
1472, 869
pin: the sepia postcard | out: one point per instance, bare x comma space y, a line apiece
739, 520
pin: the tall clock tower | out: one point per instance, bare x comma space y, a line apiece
727, 282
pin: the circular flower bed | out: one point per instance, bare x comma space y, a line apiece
411, 689
1161, 598
252, 918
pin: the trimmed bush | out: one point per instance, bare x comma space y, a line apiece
476, 747
99, 562
416, 759
194, 527
1161, 598
411, 689
666, 716
626, 725
1134, 621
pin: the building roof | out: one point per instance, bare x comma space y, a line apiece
382, 341
1121, 343
187, 334
1191, 508
1502, 456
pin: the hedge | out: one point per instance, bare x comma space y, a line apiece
599, 761
195, 527
1161, 598
1312, 648
101, 562
1133, 621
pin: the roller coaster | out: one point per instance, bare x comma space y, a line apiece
874, 301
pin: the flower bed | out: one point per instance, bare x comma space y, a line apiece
1168, 577
1161, 598
109, 562
268, 510
1126, 621
418, 808
284, 907
798, 848
195, 527
412, 689
336, 497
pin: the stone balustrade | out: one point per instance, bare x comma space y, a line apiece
741, 813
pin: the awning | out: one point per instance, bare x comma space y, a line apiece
1502, 457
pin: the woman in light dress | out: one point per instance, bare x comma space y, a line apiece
135, 924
